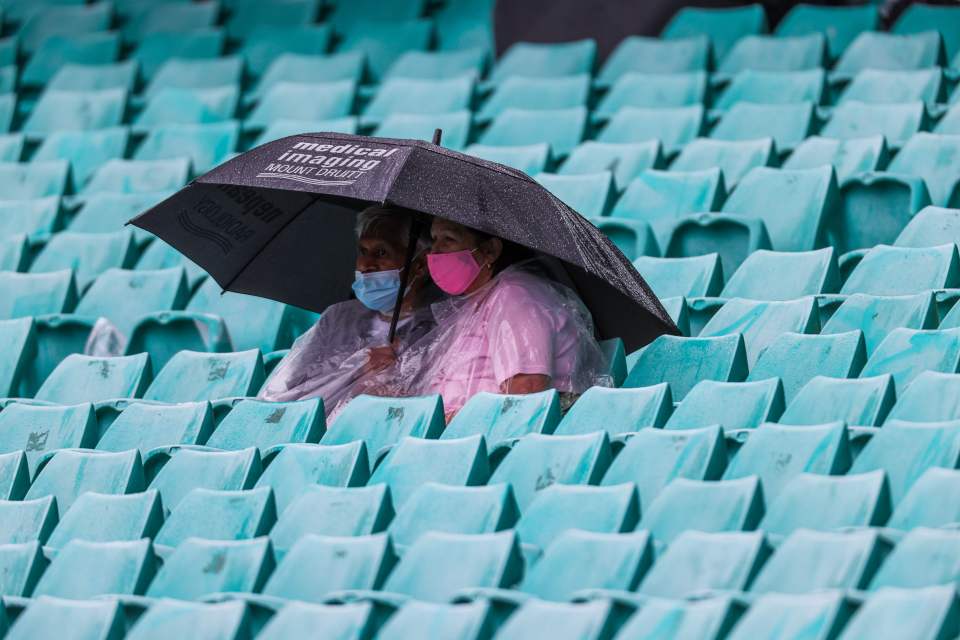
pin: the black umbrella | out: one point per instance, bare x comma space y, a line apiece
277, 222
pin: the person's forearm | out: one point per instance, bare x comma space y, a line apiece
526, 383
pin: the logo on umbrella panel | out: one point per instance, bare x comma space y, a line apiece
330, 165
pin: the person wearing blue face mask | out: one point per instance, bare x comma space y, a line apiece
349, 342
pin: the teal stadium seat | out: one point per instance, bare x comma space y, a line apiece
11, 147
245, 566
438, 65
776, 275
653, 458
14, 252
562, 507
906, 353
14, 475
563, 129
653, 91
899, 611
41, 429
826, 503
419, 619
455, 127
86, 618
75, 110
732, 237
209, 73
918, 560
774, 87
283, 128
877, 50
27, 520
153, 50
382, 41
774, 53
906, 450
414, 461
95, 77
896, 122
529, 93
265, 43
105, 212
33, 294
589, 194
19, 339
86, 151
809, 561
788, 124
70, 473
465, 24
698, 562
123, 295
936, 159
848, 157
181, 16
219, 515
531, 158
892, 271
355, 14
545, 60
661, 197
877, 86
147, 426
618, 411
735, 158
335, 621
25, 181
307, 69
36, 217
787, 615
714, 506
538, 461
593, 620
206, 145
139, 177
634, 238
925, 18
58, 51
84, 569
174, 105
930, 502
674, 127
87, 254
777, 453
626, 161
660, 619
299, 465
861, 401
734, 405
504, 417
171, 617
189, 468
724, 26
930, 227
189, 376
876, 316
304, 102
930, 398
452, 509
248, 18
159, 255
100, 517
875, 207
382, 422
79, 378
7, 108
333, 511
840, 24
269, 425
762, 322
23, 565
694, 277
685, 362
637, 54
797, 358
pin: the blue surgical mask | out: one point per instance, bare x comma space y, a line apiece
377, 290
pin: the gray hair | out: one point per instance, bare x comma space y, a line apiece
373, 216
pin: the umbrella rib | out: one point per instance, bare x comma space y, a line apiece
256, 255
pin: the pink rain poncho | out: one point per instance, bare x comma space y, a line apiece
330, 359
520, 322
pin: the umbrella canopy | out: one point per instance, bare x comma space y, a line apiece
278, 222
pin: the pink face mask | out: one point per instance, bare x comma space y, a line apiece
453, 272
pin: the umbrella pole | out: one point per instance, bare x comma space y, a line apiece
416, 226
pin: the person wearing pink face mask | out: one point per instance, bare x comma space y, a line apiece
505, 328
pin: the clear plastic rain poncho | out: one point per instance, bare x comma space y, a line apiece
521, 322
331, 359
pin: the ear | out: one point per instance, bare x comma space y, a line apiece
491, 250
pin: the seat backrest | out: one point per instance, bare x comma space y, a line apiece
19, 338
673, 127
618, 411
93, 618
790, 615
189, 469
564, 128
529, 158
545, 60
653, 90
637, 54
732, 237
775, 53
332, 620
892, 271
774, 87
100, 517
455, 126
254, 423
225, 619
933, 157
27, 520
931, 397
878, 50
76, 111
37, 429
502, 417
142, 292
34, 294
788, 124
537, 461
895, 122
906, 353
930, 502
876, 316
733, 405
84, 569
822, 503
147, 426
724, 26
287, 100
930, 228
857, 401
190, 376
707, 618
70, 473
139, 176
922, 558
685, 362
762, 322
653, 458
523, 92
840, 24
880, 86
776, 453
79, 378
187, 574
694, 277
894, 611
775, 275
88, 254
84, 150
299, 465
848, 157
219, 515
35, 180
734, 157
